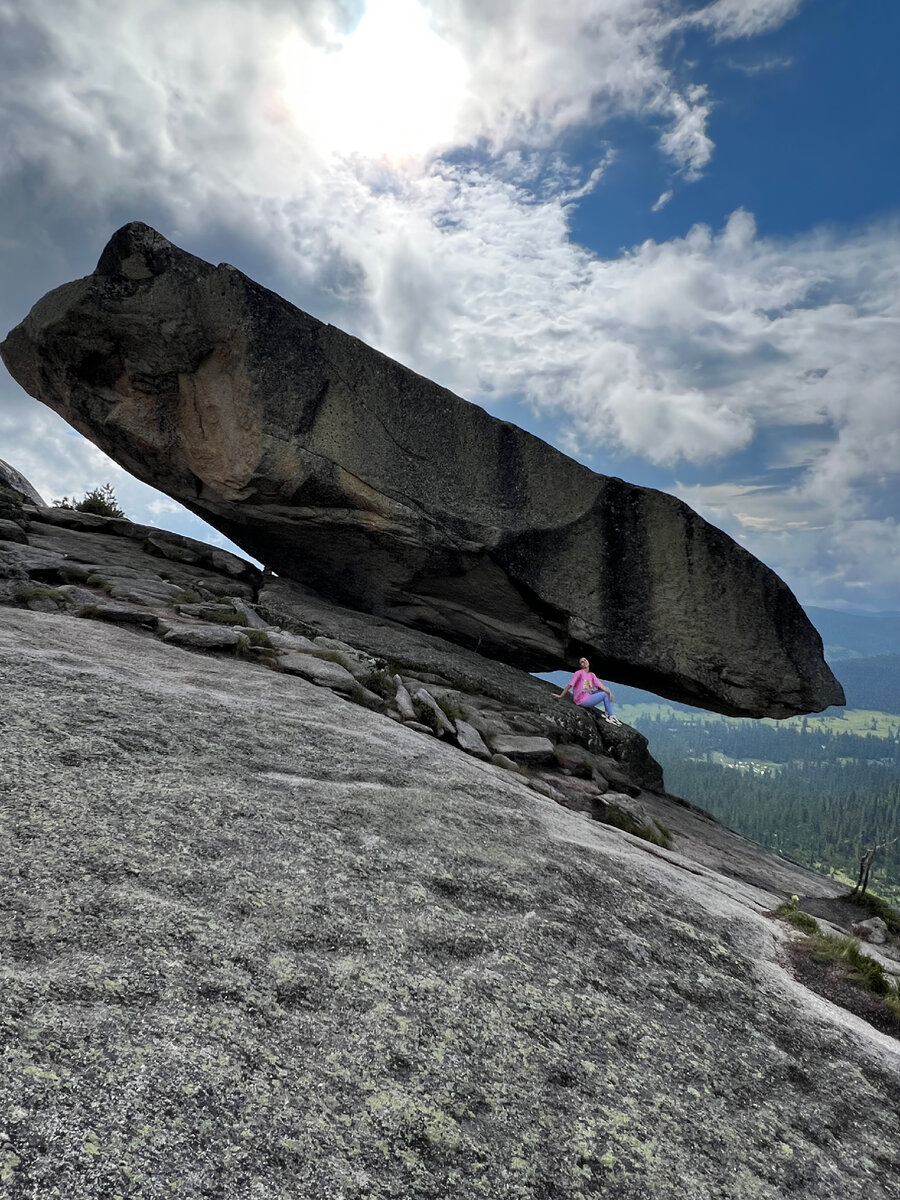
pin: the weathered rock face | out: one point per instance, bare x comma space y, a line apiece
188, 594
260, 940
15, 480
338, 467
259, 943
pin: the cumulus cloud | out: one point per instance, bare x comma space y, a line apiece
259, 97
412, 186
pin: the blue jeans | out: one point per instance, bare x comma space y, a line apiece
596, 698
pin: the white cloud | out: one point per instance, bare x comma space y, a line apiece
731, 19
662, 201
761, 66
844, 559
687, 141
419, 196
259, 98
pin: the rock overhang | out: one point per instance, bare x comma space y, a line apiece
338, 467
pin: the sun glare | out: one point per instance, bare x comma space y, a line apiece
392, 89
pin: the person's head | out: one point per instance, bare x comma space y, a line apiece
584, 664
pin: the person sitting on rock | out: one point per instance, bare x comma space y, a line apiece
589, 692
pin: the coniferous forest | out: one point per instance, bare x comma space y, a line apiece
818, 789
810, 789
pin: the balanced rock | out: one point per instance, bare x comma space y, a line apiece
344, 470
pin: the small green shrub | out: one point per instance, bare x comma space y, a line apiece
101, 501
665, 831
258, 637
37, 592
427, 716
381, 683
791, 913
450, 709
652, 832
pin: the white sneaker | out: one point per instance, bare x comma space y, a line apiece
614, 720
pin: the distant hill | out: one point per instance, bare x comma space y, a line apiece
851, 635
871, 683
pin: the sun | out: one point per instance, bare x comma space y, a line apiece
392, 89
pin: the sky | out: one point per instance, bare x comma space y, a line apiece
663, 235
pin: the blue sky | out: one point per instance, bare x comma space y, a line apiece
662, 235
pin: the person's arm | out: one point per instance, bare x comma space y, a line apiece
598, 683
567, 688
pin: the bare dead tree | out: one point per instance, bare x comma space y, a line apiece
865, 866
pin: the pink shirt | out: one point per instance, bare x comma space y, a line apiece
581, 684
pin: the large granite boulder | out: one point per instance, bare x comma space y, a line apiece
14, 480
340, 468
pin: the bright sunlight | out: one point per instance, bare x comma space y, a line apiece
393, 89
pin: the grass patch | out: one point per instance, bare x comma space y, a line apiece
258, 637
332, 656
853, 964
862, 970
38, 592
450, 709
793, 915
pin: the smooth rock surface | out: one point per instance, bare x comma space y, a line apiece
253, 950
317, 670
10, 531
340, 468
469, 739
522, 749
206, 637
874, 930
11, 478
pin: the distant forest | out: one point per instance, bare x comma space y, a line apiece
817, 797
871, 682
818, 790
854, 635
